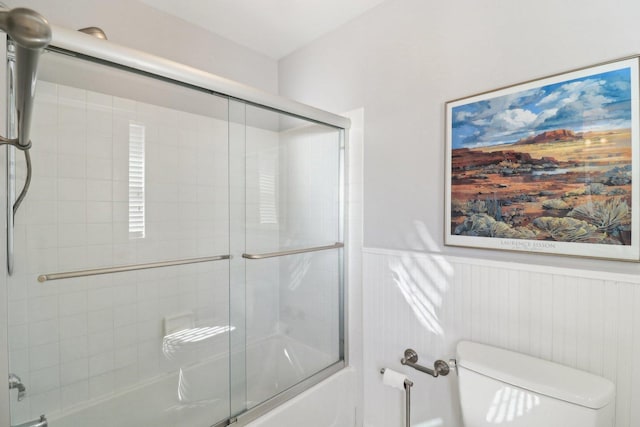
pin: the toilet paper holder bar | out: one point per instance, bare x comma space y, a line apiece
407, 382
440, 367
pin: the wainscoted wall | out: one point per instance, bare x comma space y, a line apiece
588, 320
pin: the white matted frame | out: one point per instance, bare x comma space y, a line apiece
548, 166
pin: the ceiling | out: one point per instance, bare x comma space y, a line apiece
273, 27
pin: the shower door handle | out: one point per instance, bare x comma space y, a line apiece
336, 245
123, 268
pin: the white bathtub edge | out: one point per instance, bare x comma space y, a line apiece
309, 409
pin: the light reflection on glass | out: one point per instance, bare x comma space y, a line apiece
268, 209
431, 423
186, 394
136, 181
172, 343
294, 363
510, 403
298, 270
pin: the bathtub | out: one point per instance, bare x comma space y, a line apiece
198, 395
330, 403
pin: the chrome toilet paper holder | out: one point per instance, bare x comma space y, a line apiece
440, 367
407, 399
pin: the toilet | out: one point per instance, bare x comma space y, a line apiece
501, 387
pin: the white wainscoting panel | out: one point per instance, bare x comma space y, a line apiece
429, 302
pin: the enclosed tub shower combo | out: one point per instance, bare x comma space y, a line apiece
178, 257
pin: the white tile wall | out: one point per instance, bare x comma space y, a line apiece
588, 320
80, 339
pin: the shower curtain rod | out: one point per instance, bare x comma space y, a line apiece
74, 41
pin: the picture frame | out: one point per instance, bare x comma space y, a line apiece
548, 166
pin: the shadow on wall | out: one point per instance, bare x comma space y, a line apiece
423, 282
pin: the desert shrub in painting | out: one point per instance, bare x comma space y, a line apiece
569, 230
556, 204
610, 216
596, 188
483, 225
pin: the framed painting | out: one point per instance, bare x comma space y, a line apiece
548, 166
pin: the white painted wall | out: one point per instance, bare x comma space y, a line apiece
134, 24
401, 62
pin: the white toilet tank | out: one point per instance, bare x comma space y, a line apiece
501, 387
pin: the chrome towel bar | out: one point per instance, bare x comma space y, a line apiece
122, 268
336, 245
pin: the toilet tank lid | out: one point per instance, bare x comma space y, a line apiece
536, 375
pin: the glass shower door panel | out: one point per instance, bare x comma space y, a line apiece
292, 182
302, 335
128, 170
237, 277
292, 187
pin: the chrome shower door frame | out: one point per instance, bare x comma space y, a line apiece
11, 127
341, 246
4, 327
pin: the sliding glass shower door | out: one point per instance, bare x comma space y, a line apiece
129, 172
178, 257
287, 183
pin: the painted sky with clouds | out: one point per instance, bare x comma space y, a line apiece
595, 102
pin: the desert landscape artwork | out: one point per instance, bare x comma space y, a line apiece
547, 166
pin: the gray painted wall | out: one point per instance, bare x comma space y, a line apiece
404, 59
401, 62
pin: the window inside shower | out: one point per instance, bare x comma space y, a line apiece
189, 250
